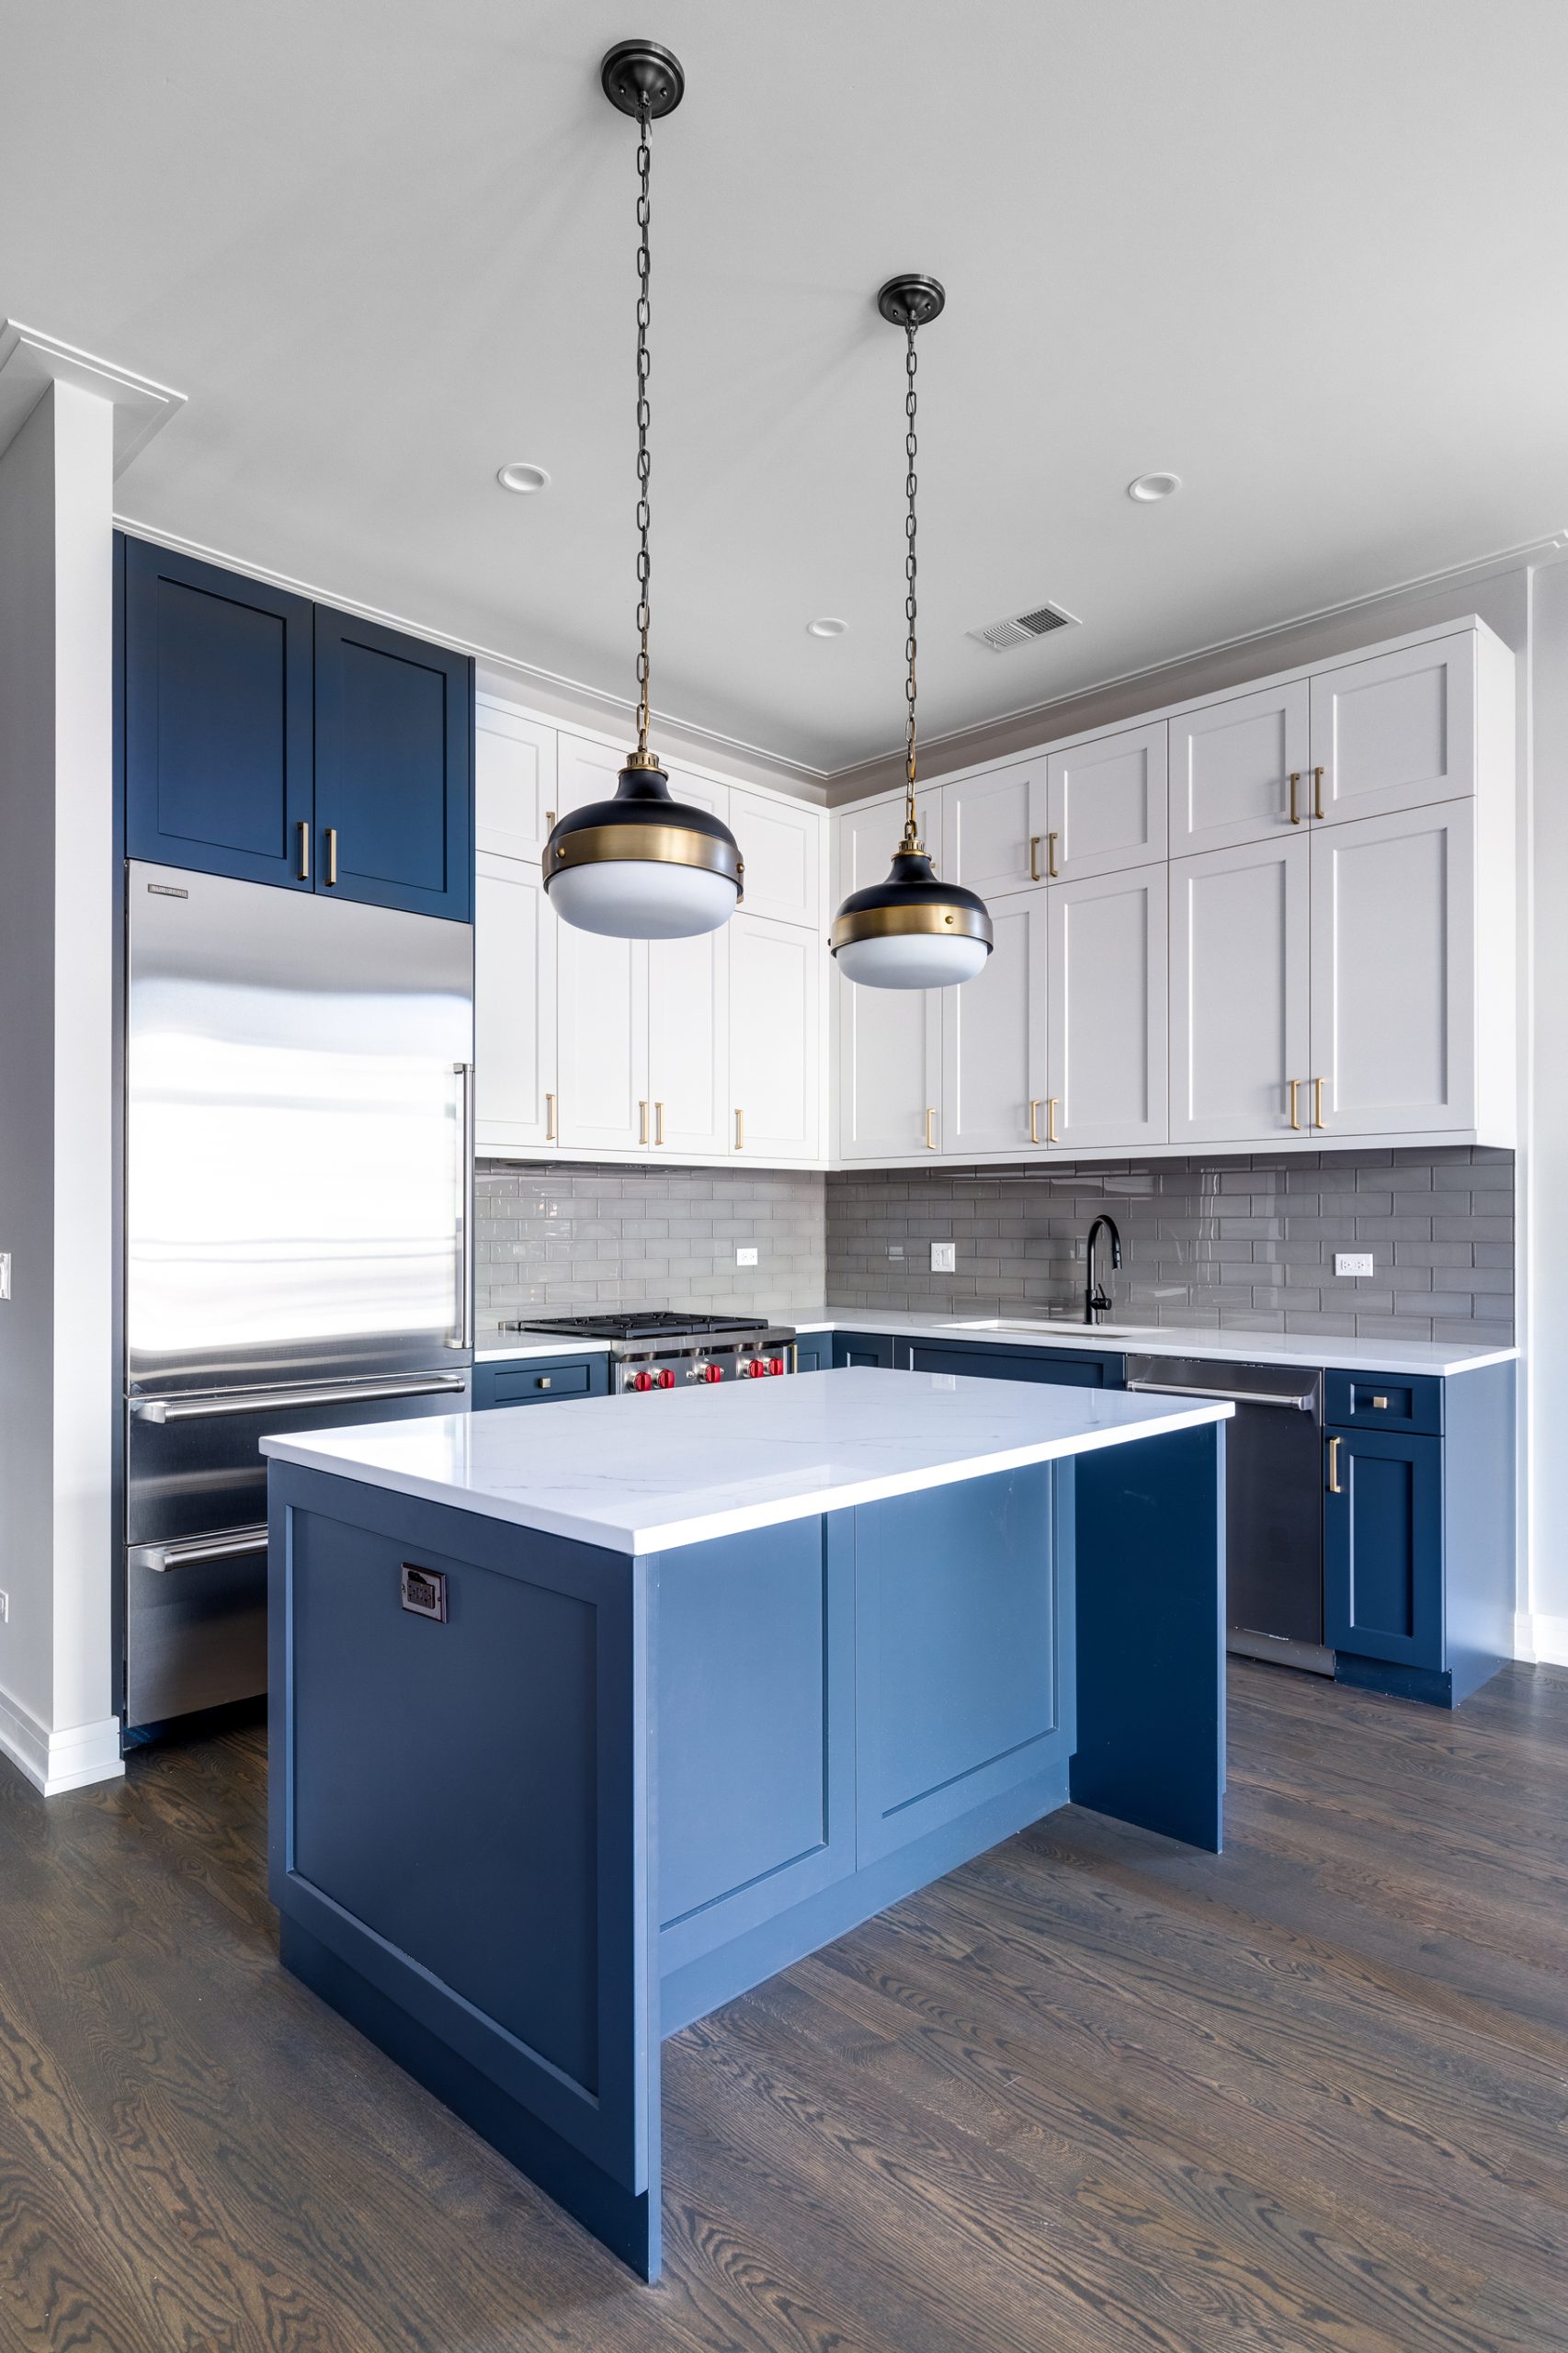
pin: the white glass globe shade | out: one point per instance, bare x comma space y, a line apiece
911, 960
634, 898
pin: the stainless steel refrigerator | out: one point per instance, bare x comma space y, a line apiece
298, 1181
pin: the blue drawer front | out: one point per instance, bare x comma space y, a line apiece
539, 1381
1384, 1400
862, 1348
1064, 1368
813, 1352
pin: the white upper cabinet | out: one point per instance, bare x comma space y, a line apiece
994, 830
993, 1047
1241, 995
1394, 1035
775, 982
782, 849
514, 1007
1232, 763
1397, 731
514, 781
1106, 999
587, 769
1107, 805
602, 1026
688, 1043
890, 1071
866, 838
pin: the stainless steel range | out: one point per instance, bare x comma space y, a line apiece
656, 1348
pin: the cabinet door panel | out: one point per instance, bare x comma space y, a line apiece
1240, 1025
866, 838
994, 1046
1106, 996
989, 824
1231, 768
1383, 1548
776, 977
587, 768
218, 734
1393, 971
782, 849
890, 1071
1108, 804
1397, 731
602, 1025
514, 1006
514, 781
689, 1043
393, 767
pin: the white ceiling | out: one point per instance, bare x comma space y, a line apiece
1310, 259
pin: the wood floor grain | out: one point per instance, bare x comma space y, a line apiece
1091, 2094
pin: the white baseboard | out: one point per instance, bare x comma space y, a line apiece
56, 1761
1548, 1639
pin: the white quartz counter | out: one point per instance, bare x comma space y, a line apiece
1435, 1356
643, 1474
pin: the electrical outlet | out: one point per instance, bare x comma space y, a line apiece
5, 1607
944, 1258
745, 1257
5, 1274
1352, 1262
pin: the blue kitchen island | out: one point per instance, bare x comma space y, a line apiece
586, 1720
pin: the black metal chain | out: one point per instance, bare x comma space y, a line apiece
911, 840
644, 263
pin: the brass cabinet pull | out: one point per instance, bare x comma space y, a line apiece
549, 822
642, 1123
1295, 1087
304, 849
1050, 859
331, 856
550, 1135
1034, 874
1381, 1404
930, 1139
740, 1129
1317, 792
1295, 780
658, 1123
544, 1380
1334, 1486
1035, 1102
1317, 1102
1051, 1134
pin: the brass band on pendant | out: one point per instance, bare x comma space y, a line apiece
929, 916
652, 844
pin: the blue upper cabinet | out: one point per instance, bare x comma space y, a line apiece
393, 767
218, 750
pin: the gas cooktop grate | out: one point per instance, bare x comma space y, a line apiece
639, 1324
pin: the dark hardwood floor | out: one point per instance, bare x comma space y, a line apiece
1093, 2091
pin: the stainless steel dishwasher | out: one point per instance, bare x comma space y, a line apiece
1273, 1500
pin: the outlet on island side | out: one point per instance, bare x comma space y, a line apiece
1353, 1262
745, 1257
944, 1258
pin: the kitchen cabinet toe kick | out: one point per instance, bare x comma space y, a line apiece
536, 1806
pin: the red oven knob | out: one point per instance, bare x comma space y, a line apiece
666, 1378
643, 1381
776, 1364
712, 1372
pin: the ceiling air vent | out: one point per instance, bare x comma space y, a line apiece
1022, 629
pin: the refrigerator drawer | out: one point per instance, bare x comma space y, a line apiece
195, 1632
193, 1464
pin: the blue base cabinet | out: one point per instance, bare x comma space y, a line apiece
539, 1380
1382, 1545
275, 740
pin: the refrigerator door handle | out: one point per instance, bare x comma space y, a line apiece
277, 1401
198, 1550
464, 1337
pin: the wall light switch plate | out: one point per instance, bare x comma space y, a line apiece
745, 1257
944, 1258
1352, 1262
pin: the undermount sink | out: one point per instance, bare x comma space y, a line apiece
1051, 1323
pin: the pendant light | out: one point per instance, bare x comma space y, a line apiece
910, 932
644, 865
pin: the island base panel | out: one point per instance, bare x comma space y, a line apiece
625, 2222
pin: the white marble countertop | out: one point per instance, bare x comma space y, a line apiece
643, 1474
1222, 1347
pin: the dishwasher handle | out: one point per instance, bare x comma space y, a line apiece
279, 1401
1293, 1404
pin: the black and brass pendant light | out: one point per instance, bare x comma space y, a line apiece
912, 931
644, 865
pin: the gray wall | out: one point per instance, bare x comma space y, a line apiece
1243, 1241
567, 1238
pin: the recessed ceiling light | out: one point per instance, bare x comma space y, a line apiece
523, 478
826, 627
1148, 487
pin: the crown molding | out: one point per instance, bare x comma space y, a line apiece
31, 361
